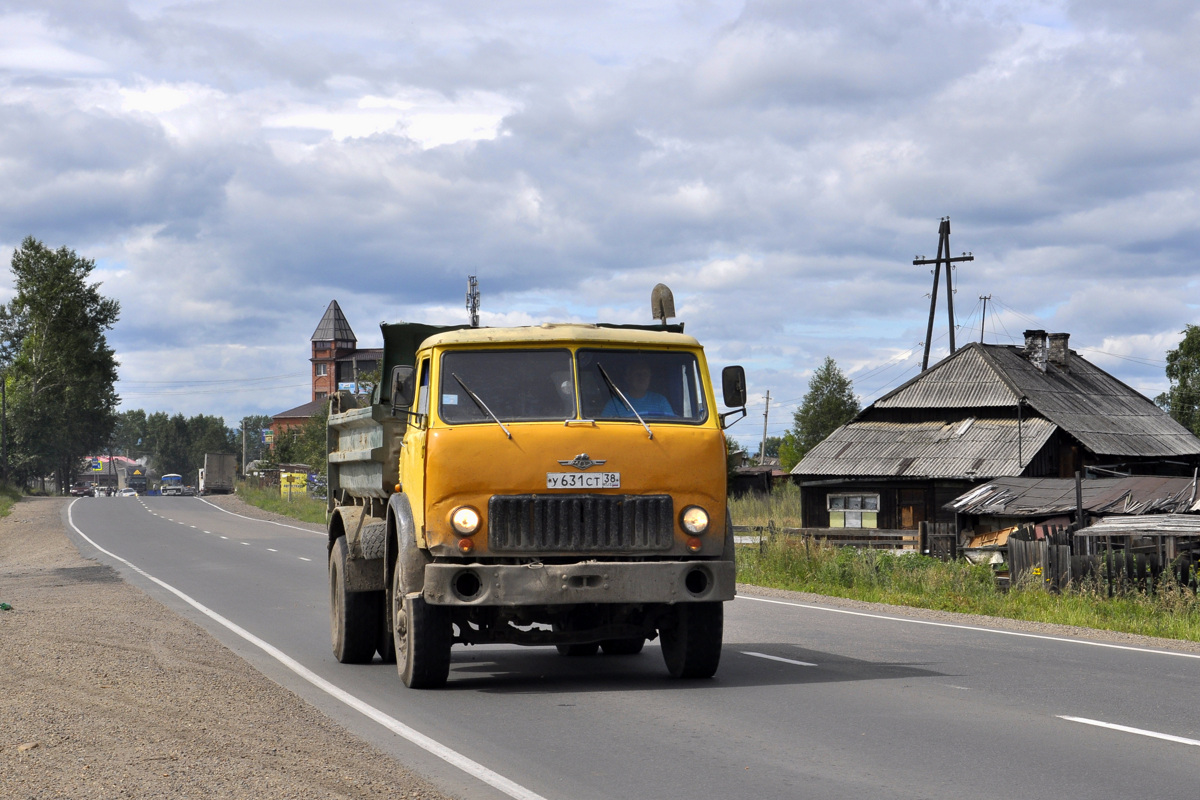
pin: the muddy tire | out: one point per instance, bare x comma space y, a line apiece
353, 616
422, 637
623, 647
691, 644
578, 650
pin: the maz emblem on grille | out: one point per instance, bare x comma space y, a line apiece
582, 461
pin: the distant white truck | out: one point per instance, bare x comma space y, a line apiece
216, 477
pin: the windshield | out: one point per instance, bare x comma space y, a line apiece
505, 386
514, 385
659, 385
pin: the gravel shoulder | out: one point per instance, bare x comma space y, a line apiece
107, 693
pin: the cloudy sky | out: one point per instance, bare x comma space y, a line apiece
232, 166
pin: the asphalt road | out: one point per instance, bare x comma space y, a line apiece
810, 701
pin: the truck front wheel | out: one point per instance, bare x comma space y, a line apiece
422, 636
691, 643
353, 616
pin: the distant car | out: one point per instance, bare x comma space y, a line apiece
189, 491
127, 493
81, 490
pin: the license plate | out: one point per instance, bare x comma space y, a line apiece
583, 480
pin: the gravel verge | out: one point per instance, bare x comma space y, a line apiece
107, 693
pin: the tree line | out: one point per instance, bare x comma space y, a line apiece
58, 403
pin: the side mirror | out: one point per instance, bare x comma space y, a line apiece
402, 386
733, 384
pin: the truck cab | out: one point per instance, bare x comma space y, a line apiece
552, 485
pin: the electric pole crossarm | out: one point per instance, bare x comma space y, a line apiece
943, 257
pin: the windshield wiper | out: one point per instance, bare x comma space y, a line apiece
612, 388
482, 405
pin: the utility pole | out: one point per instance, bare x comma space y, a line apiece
983, 320
943, 257
243, 448
762, 448
473, 300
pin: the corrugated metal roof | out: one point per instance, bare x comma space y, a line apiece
964, 380
1040, 497
968, 449
1106, 416
333, 326
1179, 524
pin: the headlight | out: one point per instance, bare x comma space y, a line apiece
694, 519
465, 520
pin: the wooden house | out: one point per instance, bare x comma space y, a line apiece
984, 412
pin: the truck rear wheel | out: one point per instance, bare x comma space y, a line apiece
353, 616
423, 637
691, 646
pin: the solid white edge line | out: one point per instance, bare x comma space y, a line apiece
252, 519
452, 757
974, 628
1126, 729
778, 658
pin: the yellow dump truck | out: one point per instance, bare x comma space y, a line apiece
550, 485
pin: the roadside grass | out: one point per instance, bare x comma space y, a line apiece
8, 498
877, 576
301, 507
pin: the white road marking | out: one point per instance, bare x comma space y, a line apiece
226, 538
267, 521
247, 544
973, 628
272, 550
452, 757
1126, 729
777, 658
302, 558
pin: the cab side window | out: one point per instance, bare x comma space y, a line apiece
423, 389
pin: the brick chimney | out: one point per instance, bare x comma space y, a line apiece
1035, 348
1059, 354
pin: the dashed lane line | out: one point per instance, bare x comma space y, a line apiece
1126, 729
778, 658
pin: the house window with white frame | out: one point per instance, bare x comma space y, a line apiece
322, 370
853, 510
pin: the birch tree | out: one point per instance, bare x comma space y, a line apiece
59, 370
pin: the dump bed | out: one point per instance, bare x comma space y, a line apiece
364, 452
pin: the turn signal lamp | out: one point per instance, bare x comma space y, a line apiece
694, 544
465, 546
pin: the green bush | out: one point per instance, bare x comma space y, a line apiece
301, 506
913, 580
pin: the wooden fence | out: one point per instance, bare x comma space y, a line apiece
1116, 563
938, 540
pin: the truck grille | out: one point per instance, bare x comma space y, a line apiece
580, 523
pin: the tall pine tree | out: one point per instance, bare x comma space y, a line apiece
829, 404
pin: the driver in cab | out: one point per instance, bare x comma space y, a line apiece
635, 384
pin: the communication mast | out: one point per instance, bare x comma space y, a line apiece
473, 300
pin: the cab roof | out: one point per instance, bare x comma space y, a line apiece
565, 333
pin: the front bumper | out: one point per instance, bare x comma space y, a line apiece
590, 582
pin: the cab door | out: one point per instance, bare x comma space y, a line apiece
412, 451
